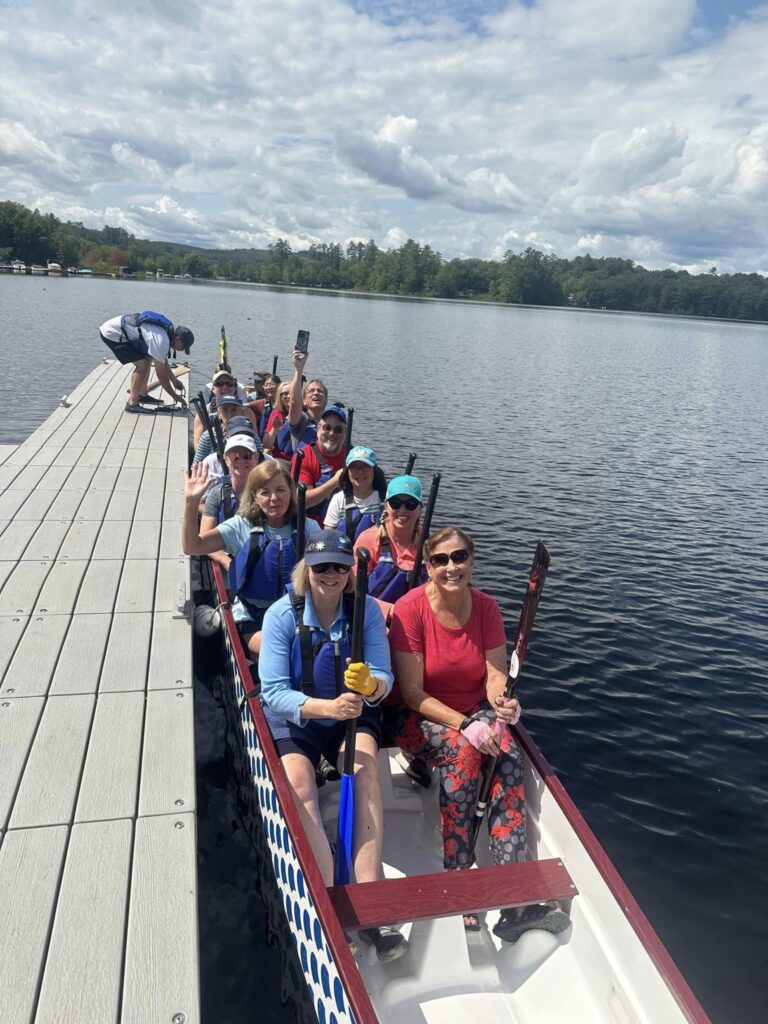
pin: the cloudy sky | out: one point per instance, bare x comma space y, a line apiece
618, 127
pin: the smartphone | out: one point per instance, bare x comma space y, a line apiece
302, 341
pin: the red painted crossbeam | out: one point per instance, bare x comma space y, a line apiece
395, 900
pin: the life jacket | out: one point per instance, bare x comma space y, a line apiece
284, 440
313, 662
261, 568
229, 502
386, 581
355, 521
318, 511
130, 325
264, 419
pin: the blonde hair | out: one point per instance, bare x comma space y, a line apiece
384, 533
300, 579
258, 478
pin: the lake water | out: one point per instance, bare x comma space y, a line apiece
635, 447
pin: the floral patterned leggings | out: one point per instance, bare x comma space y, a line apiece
460, 767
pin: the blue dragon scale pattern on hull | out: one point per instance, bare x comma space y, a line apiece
323, 981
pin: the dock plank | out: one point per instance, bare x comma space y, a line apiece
82, 978
137, 585
99, 588
168, 759
149, 505
161, 962
80, 478
11, 631
79, 541
79, 666
47, 541
121, 505
6, 451
34, 661
125, 662
65, 505
173, 584
30, 867
110, 784
61, 588
170, 660
47, 797
18, 722
170, 539
113, 539
24, 583
15, 538
145, 540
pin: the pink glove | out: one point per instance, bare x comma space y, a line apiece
477, 733
502, 726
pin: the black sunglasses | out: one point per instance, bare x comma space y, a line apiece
224, 383
409, 503
247, 456
332, 430
322, 567
458, 557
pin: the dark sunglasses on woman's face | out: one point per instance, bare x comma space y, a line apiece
322, 567
332, 430
409, 503
246, 456
225, 384
458, 557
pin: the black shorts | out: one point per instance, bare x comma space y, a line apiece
124, 351
325, 741
248, 627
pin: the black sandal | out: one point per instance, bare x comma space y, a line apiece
511, 925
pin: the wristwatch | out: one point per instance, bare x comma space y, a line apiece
467, 722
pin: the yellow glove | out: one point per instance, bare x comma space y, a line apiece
358, 677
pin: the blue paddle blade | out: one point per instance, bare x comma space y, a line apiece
345, 832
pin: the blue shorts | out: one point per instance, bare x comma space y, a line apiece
320, 737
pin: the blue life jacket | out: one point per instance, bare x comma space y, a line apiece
313, 662
318, 511
264, 419
386, 581
284, 440
229, 503
262, 568
148, 316
355, 521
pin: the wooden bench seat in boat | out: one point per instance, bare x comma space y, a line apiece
445, 893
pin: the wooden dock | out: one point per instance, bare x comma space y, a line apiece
98, 889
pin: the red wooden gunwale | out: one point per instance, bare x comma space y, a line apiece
357, 996
643, 928
355, 989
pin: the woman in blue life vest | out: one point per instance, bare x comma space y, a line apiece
241, 454
304, 656
392, 543
260, 540
360, 502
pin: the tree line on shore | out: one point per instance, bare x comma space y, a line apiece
530, 277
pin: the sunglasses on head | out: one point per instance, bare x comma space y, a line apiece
332, 430
458, 557
409, 503
322, 567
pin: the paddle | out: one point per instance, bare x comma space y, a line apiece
297, 465
536, 580
301, 520
345, 831
348, 433
274, 365
409, 463
223, 364
217, 441
413, 578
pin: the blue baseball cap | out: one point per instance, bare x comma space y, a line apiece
228, 400
329, 546
361, 454
335, 410
410, 485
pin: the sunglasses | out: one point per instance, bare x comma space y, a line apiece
322, 567
225, 383
458, 557
409, 503
246, 456
332, 430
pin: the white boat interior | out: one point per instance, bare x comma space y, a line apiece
598, 970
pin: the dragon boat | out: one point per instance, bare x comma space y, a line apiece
607, 967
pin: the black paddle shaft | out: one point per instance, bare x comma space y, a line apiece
274, 365
297, 461
536, 580
426, 525
301, 520
356, 648
409, 463
348, 433
217, 441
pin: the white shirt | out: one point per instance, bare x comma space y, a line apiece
335, 513
155, 338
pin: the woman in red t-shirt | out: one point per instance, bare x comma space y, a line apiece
276, 419
450, 660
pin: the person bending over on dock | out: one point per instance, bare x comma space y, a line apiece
261, 540
360, 502
306, 725
450, 659
307, 405
147, 339
323, 461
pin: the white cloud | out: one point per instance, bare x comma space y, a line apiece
625, 129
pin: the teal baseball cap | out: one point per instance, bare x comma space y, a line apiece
408, 485
361, 454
